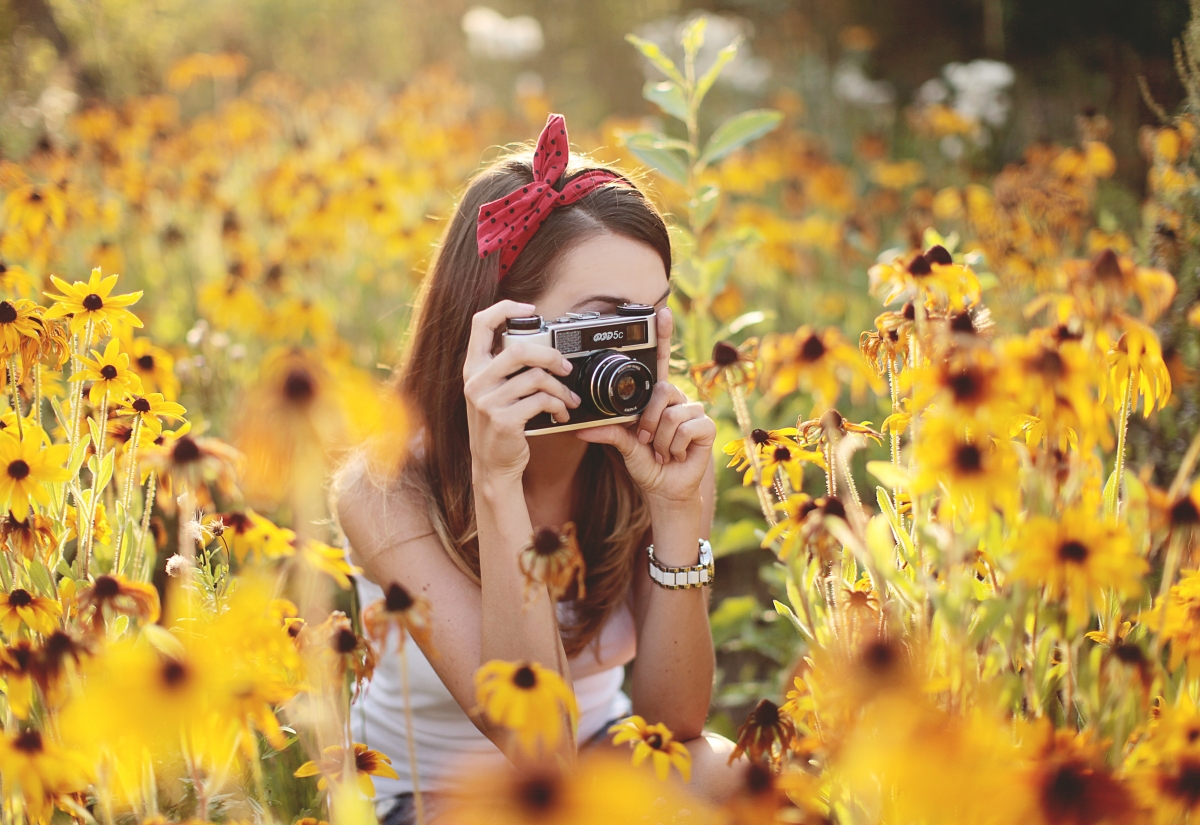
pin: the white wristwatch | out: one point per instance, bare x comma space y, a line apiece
679, 578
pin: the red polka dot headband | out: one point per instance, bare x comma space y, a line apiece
506, 224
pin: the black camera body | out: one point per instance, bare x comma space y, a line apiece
614, 360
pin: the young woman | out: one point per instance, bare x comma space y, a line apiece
571, 238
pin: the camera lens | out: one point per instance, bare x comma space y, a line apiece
615, 384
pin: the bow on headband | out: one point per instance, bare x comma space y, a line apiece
506, 224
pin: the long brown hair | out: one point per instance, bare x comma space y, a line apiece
614, 521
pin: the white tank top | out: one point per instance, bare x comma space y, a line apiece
446, 740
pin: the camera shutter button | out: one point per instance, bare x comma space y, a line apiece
529, 323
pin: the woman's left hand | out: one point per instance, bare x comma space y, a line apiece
669, 448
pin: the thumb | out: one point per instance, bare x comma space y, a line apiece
614, 434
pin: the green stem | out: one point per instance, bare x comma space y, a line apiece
1120, 466
37, 392
16, 394
127, 493
412, 748
147, 506
89, 539
743, 418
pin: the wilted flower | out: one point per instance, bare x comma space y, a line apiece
552, 559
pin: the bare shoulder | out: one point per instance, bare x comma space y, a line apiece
379, 515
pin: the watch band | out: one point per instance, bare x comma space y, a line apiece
682, 578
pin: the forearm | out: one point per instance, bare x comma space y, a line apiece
519, 621
672, 680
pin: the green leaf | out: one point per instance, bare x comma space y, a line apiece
667, 96
94, 429
106, 471
1110, 495
693, 36
738, 131
738, 537
656, 152
78, 454
890, 474
40, 576
783, 610
723, 57
704, 206
655, 55
731, 616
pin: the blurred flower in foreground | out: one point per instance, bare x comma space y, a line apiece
656, 742
399, 608
527, 699
552, 559
40, 770
367, 763
765, 736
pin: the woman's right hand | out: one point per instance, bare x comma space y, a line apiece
498, 406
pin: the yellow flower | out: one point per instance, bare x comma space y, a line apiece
1077, 556
25, 469
552, 559
32, 536
367, 763
527, 699
92, 301
329, 560
764, 441
19, 320
120, 596
655, 742
32, 207
977, 472
731, 366
1181, 627
932, 275
803, 525
410, 615
39, 770
109, 373
1137, 370
788, 459
150, 409
155, 366
816, 361
765, 736
36, 612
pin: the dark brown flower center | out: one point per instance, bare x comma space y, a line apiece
833, 507
538, 794
968, 458
920, 266
109, 372
19, 598
760, 437
58, 645
299, 387
186, 451
8, 312
909, 311
344, 641
146, 363
1073, 551
938, 254
782, 453
832, 420
397, 599
812, 349
1128, 654
93, 302
18, 469
655, 741
1185, 512
1065, 794
1106, 266
524, 677
174, 673
879, 658
961, 322
724, 354
546, 541
966, 385
141, 405
758, 779
766, 714
1049, 363
106, 587
28, 741
1185, 784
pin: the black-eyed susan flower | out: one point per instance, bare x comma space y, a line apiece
1180, 627
367, 763
32, 207
527, 699
1069, 782
25, 470
1077, 557
59, 653
16, 667
932, 275
150, 409
197, 463
656, 743
328, 560
109, 373
1164, 767
18, 606
763, 441
410, 614
789, 460
40, 770
804, 526
977, 472
32, 536
119, 595
764, 797
831, 426
155, 367
92, 302
765, 736
1137, 371
731, 366
817, 361
333, 648
886, 348
553, 560
1176, 515
19, 321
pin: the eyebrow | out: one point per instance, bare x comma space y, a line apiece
613, 299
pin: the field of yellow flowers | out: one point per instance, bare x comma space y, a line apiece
958, 413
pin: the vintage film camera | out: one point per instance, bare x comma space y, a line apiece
615, 360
